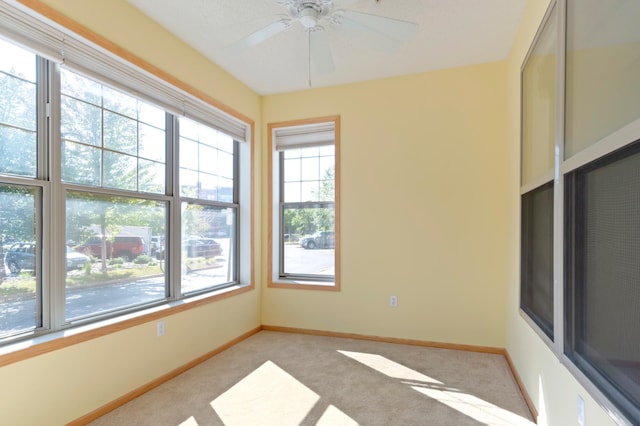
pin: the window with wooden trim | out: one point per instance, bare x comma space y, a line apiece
107, 209
305, 203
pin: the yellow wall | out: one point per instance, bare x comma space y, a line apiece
423, 208
61, 386
552, 388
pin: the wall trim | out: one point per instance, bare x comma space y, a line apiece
101, 411
523, 389
414, 342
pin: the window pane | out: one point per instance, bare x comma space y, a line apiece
536, 286
152, 143
119, 102
308, 236
225, 165
76, 86
114, 232
188, 154
18, 151
19, 251
120, 171
603, 64
18, 99
151, 115
81, 122
291, 169
208, 136
309, 191
225, 143
208, 159
81, 163
292, 153
604, 291
151, 176
328, 150
120, 133
208, 187
188, 183
225, 190
539, 104
292, 192
208, 241
310, 168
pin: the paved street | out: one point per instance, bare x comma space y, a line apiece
18, 312
301, 261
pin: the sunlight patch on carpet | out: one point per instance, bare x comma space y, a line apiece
469, 405
189, 422
267, 396
388, 367
332, 416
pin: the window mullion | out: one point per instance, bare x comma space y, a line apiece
559, 214
54, 256
172, 256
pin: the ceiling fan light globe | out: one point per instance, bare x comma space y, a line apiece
309, 17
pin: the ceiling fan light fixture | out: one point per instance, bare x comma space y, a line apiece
309, 17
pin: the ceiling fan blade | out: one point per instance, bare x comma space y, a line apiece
389, 27
263, 34
320, 50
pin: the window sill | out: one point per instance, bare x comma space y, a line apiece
27, 347
304, 284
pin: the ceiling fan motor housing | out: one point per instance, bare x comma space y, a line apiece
308, 12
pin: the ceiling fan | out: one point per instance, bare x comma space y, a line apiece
318, 17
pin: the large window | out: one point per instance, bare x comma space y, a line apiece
587, 293
111, 200
603, 273
304, 209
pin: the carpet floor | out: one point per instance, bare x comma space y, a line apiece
275, 378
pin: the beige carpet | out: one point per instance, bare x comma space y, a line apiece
282, 379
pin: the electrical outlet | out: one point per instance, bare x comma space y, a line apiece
393, 301
580, 411
160, 328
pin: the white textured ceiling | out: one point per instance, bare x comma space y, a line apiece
451, 33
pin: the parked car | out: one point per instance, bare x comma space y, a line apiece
76, 260
201, 247
128, 247
22, 256
195, 247
321, 239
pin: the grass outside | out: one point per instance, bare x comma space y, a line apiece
25, 283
